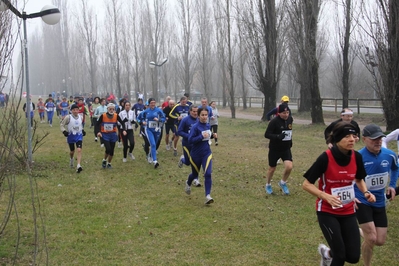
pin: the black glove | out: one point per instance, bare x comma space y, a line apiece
136, 125
83, 132
65, 133
125, 120
281, 136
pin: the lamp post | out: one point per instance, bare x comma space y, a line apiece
158, 65
51, 15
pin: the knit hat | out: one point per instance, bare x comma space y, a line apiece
341, 130
283, 107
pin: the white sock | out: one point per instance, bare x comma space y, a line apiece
283, 182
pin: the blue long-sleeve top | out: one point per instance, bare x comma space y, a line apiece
200, 145
149, 115
184, 129
379, 168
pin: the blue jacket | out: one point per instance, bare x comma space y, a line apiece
380, 169
200, 146
185, 127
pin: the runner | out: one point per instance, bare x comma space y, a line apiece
169, 124
381, 166
50, 108
97, 113
201, 154
64, 106
72, 128
214, 122
346, 116
41, 108
128, 117
178, 112
337, 169
184, 131
108, 123
152, 120
279, 131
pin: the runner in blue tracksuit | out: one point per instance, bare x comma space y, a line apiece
382, 170
152, 120
184, 131
178, 112
201, 154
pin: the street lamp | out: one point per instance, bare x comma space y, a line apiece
158, 65
51, 15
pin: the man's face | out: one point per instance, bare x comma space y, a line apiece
75, 111
284, 115
347, 118
183, 102
204, 102
194, 112
373, 145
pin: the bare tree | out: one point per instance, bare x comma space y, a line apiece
88, 29
380, 54
261, 34
204, 44
185, 44
303, 16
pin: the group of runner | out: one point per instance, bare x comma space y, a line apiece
116, 123
353, 186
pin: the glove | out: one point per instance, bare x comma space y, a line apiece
281, 136
125, 120
65, 133
83, 132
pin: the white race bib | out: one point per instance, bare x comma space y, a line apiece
152, 124
108, 127
288, 135
209, 135
377, 181
183, 115
346, 194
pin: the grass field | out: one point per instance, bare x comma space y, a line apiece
136, 215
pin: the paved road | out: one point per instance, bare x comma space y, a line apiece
225, 112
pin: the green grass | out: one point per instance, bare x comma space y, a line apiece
137, 215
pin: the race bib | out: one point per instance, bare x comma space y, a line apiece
183, 115
65, 109
152, 124
209, 135
108, 127
288, 135
50, 109
377, 181
346, 194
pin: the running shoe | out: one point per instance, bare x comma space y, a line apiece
216, 143
124, 160
156, 164
279, 161
95, 139
131, 156
208, 199
196, 183
180, 163
109, 166
79, 169
323, 250
104, 164
187, 189
119, 144
269, 189
149, 158
284, 188
71, 163
102, 145
174, 152
167, 147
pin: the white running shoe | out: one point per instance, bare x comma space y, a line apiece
71, 163
95, 139
196, 183
279, 161
323, 251
124, 160
187, 189
156, 164
131, 156
149, 158
119, 144
208, 199
180, 163
167, 147
102, 145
